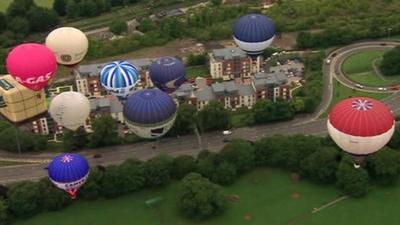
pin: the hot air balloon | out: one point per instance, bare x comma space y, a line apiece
69, 44
253, 33
32, 65
361, 126
69, 172
70, 109
149, 113
167, 73
119, 78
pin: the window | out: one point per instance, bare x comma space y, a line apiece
2, 102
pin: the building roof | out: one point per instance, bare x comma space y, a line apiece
245, 89
94, 69
115, 105
218, 87
361, 116
99, 103
269, 79
205, 94
229, 53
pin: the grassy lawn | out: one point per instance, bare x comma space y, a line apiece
45, 3
341, 92
197, 71
265, 194
361, 62
369, 78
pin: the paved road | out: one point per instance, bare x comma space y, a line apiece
188, 144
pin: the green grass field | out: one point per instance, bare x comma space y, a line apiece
45, 3
359, 68
8, 163
197, 71
265, 195
361, 62
341, 92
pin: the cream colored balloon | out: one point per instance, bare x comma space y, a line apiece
69, 44
70, 109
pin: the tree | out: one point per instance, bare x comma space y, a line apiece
197, 60
112, 182
92, 188
217, 170
132, 174
395, 141
51, 197
199, 198
213, 117
3, 22
390, 65
105, 132
72, 9
19, 25
298, 104
384, 166
305, 40
42, 19
60, 7
282, 110
118, 26
24, 199
19, 8
321, 166
74, 140
3, 212
182, 165
147, 25
157, 170
352, 181
40, 143
240, 153
87, 8
263, 111
216, 2
185, 121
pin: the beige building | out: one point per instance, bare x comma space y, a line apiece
231, 63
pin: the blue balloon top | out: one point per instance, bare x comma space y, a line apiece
254, 28
149, 106
68, 167
119, 74
167, 73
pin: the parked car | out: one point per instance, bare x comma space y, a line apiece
226, 132
382, 89
328, 61
394, 88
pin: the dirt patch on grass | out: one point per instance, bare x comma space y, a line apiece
295, 177
296, 195
248, 216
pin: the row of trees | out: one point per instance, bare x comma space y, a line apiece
23, 17
315, 158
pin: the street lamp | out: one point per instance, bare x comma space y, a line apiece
388, 31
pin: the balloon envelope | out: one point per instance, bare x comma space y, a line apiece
149, 113
69, 172
253, 33
32, 65
167, 73
119, 78
70, 109
69, 44
360, 125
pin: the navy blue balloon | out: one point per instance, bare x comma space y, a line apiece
167, 73
253, 33
68, 168
149, 106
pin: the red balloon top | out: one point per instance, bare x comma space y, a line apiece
361, 116
32, 65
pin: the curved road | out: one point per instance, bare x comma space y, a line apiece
310, 124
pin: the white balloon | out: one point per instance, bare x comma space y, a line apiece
69, 44
70, 109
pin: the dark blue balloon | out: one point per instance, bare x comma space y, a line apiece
254, 28
68, 168
149, 106
167, 73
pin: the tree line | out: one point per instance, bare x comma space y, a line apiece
317, 159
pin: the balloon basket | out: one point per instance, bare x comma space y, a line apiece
72, 193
